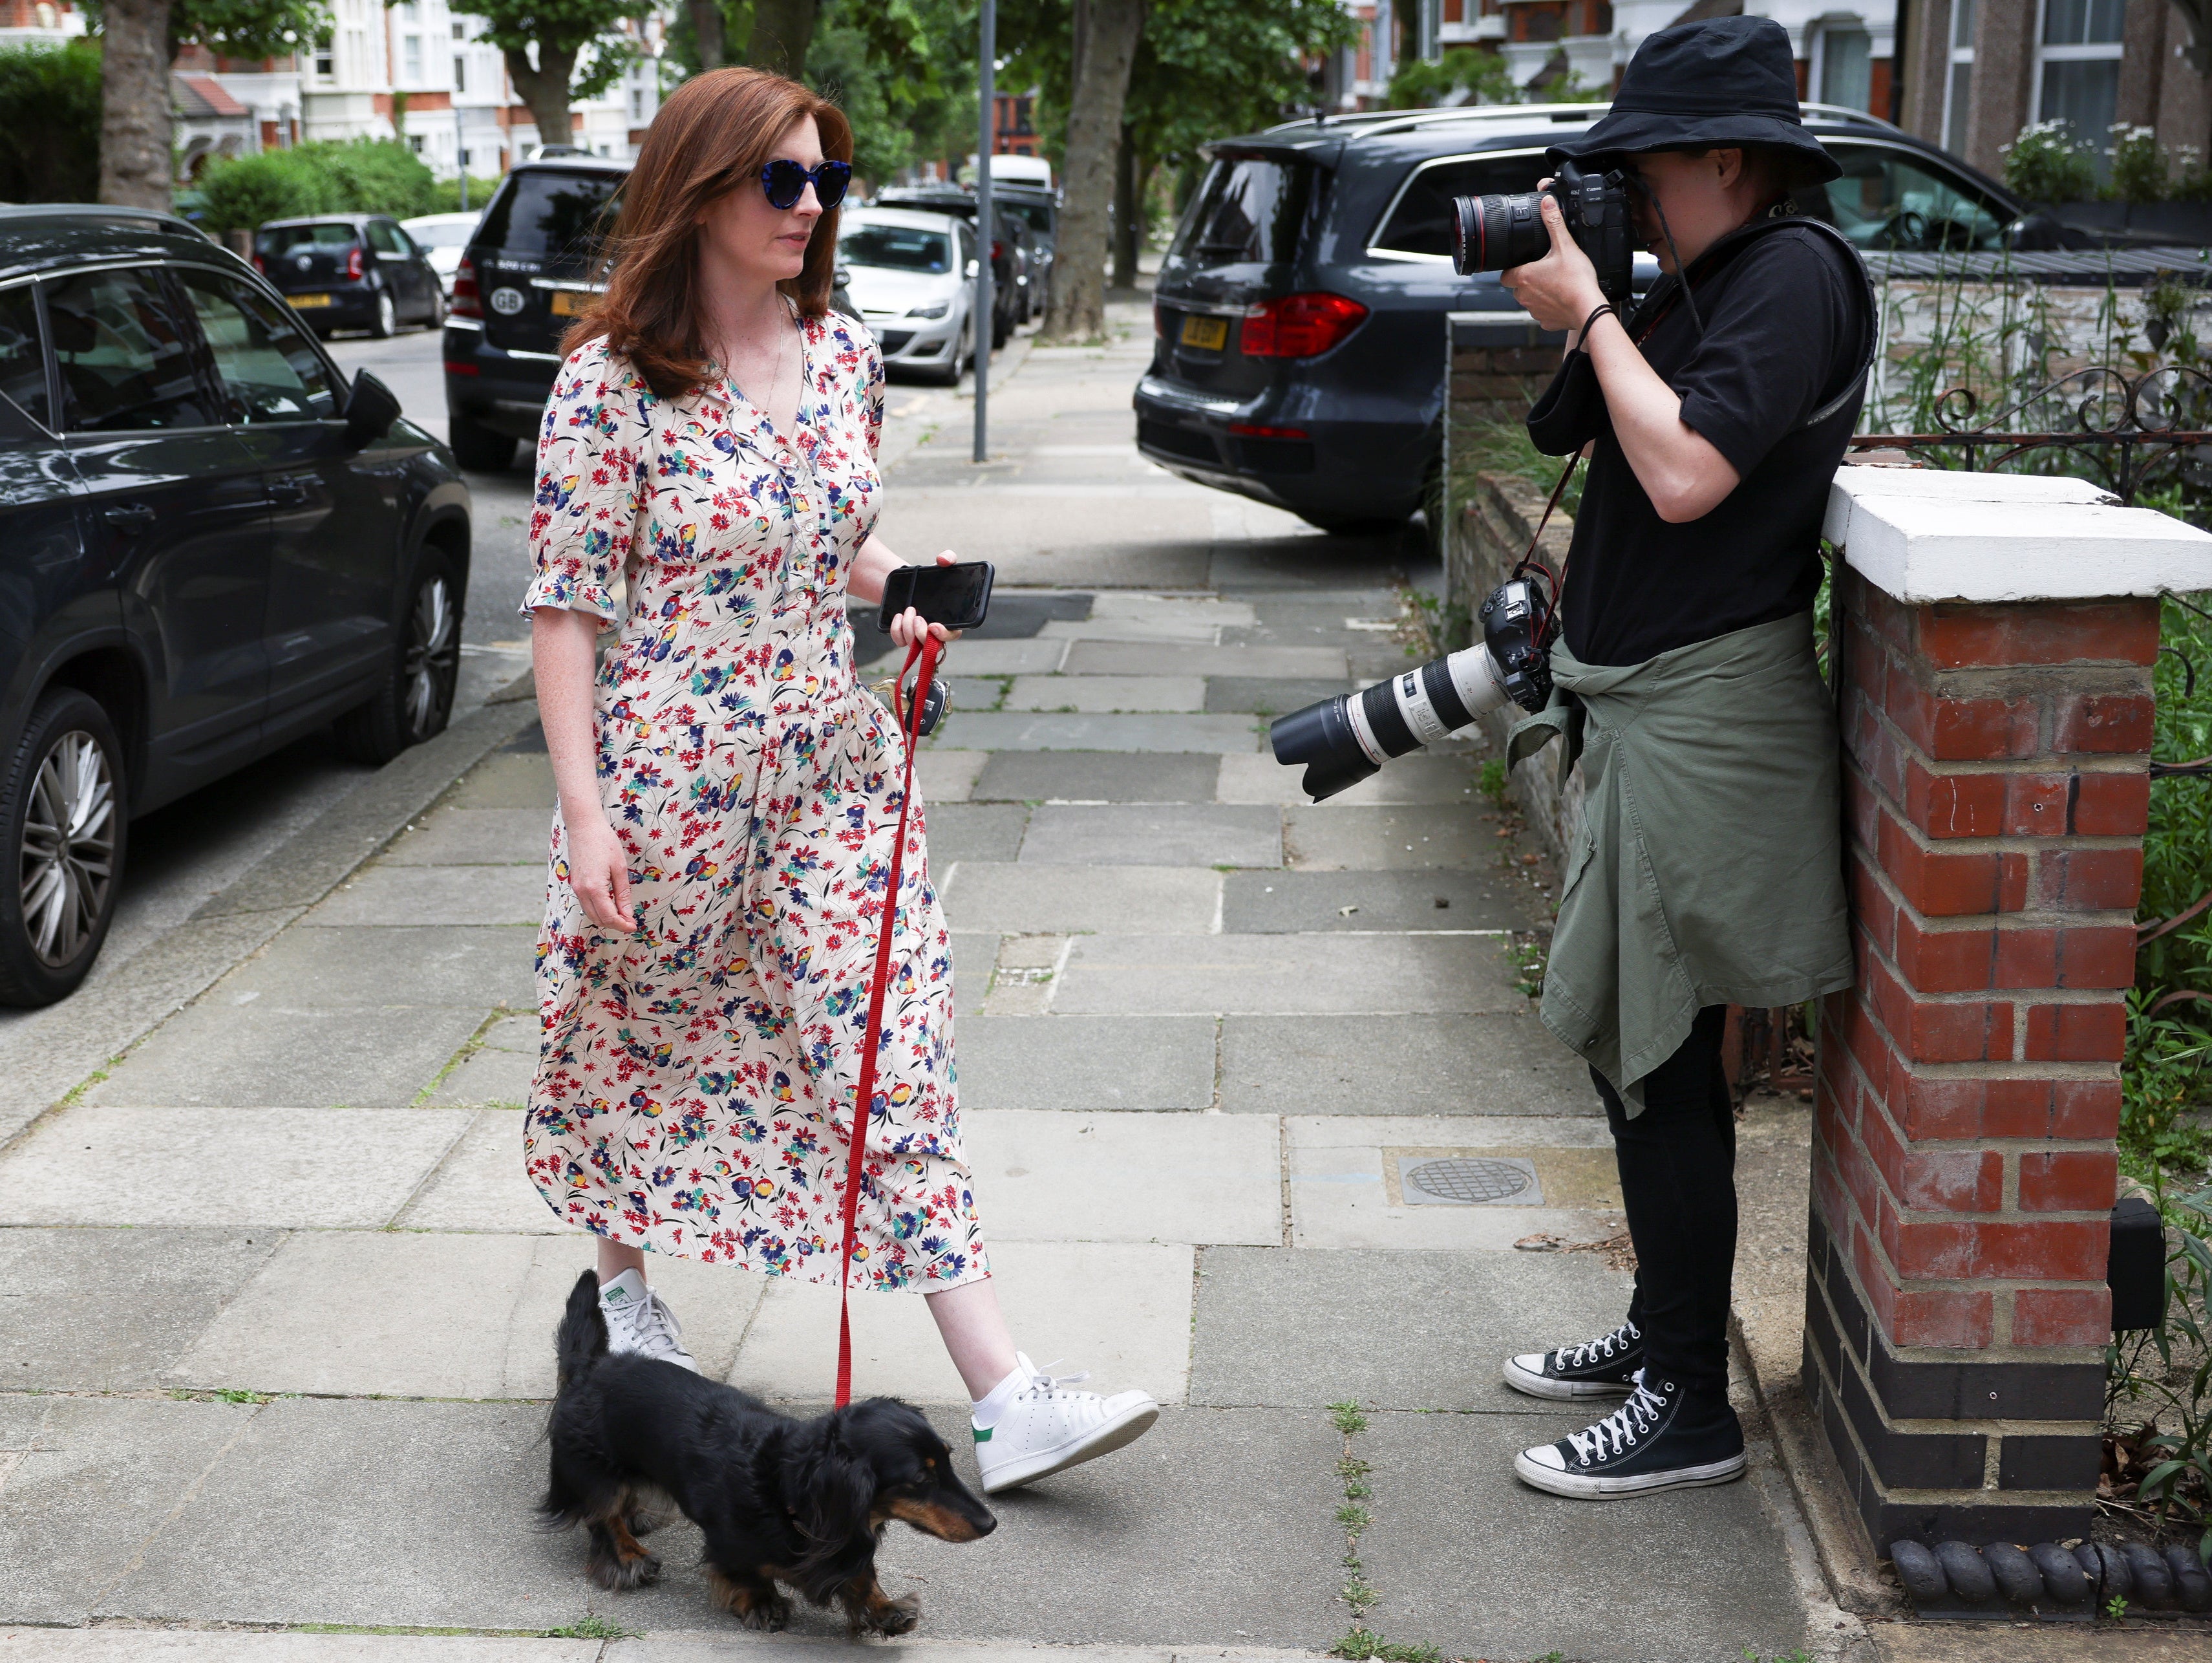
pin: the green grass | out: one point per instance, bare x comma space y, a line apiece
592, 1628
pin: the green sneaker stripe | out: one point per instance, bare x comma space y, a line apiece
982, 1434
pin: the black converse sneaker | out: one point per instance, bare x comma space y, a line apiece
1602, 1368
1654, 1442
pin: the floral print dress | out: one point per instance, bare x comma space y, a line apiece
694, 1080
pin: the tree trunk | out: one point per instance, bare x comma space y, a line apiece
545, 90
1126, 217
1105, 47
707, 24
782, 31
135, 163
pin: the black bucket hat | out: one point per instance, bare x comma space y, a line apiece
1723, 81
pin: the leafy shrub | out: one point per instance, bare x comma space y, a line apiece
2138, 165
1482, 76
361, 176
2164, 1376
446, 195
50, 123
2047, 163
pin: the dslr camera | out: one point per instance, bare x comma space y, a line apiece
1491, 233
1341, 740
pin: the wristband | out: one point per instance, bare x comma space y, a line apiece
1602, 309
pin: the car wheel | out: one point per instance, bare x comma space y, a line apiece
437, 318
474, 445
416, 699
62, 813
1000, 328
386, 322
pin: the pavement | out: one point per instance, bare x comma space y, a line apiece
278, 1299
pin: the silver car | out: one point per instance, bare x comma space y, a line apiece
912, 277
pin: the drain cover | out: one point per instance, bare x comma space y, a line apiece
1468, 1181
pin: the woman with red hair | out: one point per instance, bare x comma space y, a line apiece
729, 793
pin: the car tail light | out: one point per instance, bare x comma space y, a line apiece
467, 304
1298, 326
1254, 430
353, 263
998, 249
260, 267
461, 367
1159, 321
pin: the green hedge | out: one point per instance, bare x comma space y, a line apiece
50, 123
362, 176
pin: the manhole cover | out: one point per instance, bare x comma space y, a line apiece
1468, 1181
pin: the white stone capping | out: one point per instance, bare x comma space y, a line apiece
1923, 535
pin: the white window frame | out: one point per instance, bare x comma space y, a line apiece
1816, 67
1957, 56
2090, 52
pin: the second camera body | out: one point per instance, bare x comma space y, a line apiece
1491, 233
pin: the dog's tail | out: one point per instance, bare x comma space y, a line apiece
581, 1339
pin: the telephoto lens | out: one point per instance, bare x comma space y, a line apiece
1342, 740
1491, 233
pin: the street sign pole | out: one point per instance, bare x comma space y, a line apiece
461, 152
985, 78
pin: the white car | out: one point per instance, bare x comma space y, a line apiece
912, 276
443, 238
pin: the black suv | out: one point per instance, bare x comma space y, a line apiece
1299, 311
526, 275
209, 545
350, 272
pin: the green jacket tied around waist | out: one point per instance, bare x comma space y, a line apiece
1707, 868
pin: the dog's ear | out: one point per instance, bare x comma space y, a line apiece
830, 1494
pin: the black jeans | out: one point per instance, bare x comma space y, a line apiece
1677, 1162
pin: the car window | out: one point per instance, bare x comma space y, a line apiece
1035, 215
1889, 199
1247, 209
1420, 221
455, 235
269, 372
543, 213
276, 243
124, 359
22, 358
900, 248
383, 237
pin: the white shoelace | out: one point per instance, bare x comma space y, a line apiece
658, 1332
1601, 1349
1620, 1430
1043, 1382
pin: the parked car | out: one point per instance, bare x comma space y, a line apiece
1038, 208
912, 276
441, 237
349, 271
213, 546
525, 276
1010, 248
1298, 312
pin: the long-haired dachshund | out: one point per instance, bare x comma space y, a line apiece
800, 1502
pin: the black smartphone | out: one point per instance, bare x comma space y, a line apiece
956, 596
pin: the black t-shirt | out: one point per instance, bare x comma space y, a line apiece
1785, 318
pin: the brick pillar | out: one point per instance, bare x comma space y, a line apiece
1995, 722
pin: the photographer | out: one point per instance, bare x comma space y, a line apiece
1708, 870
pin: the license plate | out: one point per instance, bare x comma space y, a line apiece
303, 301
569, 302
1206, 334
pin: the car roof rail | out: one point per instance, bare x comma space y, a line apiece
1845, 113
1375, 123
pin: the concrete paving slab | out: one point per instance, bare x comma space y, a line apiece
1502, 1062
1098, 776
507, 779
1272, 695
135, 1299
413, 1314
143, 1645
973, 656
1470, 1560
103, 1476
947, 775
1024, 898
410, 964
93, 1164
1424, 777
2027, 1642
1177, 632
475, 837
1347, 1196
1165, 611
973, 831
381, 1514
1092, 693
973, 957
1393, 975
1261, 902
1581, 1133
498, 1071
975, 692
1082, 1062
265, 1056
1042, 1175
1132, 658
401, 894
1120, 1309
481, 1186
1393, 1331
1197, 834
1023, 730
1326, 836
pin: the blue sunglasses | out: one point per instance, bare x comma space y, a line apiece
785, 181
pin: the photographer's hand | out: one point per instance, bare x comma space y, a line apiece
1559, 290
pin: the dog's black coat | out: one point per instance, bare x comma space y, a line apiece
779, 1499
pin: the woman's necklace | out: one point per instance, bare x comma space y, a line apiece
775, 379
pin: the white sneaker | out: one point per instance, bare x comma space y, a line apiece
638, 1322
1046, 1429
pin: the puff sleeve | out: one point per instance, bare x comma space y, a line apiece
591, 454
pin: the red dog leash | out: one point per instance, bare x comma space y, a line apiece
907, 715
